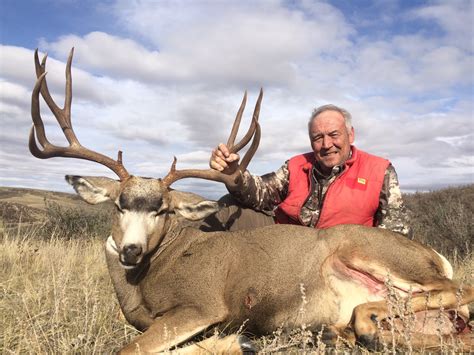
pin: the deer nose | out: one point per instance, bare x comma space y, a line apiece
131, 252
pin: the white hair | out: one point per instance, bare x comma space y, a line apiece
330, 107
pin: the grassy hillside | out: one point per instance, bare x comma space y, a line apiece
56, 295
444, 219
52, 213
30, 205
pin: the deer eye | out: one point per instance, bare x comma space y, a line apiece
161, 211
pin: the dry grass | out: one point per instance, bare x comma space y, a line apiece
444, 219
57, 296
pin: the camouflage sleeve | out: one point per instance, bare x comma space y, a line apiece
263, 193
391, 213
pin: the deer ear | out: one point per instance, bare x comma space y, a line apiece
196, 211
192, 206
94, 190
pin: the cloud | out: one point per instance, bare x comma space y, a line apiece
240, 43
13, 95
452, 17
112, 55
17, 68
409, 64
170, 82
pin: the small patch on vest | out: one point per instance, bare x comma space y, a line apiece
357, 183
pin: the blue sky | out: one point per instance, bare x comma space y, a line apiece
24, 22
163, 78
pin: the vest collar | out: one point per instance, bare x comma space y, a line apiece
353, 154
311, 161
311, 164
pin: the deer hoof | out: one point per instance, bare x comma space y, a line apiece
369, 341
246, 345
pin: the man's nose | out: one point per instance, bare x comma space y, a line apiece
327, 142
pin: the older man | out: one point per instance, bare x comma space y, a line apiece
334, 184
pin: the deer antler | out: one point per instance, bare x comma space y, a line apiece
63, 116
214, 175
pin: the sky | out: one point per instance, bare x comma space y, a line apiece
157, 79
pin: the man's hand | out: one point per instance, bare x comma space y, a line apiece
224, 161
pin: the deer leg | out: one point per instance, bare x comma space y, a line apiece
231, 344
445, 294
172, 329
431, 342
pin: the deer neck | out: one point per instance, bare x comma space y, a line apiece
169, 241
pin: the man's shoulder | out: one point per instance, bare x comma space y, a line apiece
369, 163
303, 158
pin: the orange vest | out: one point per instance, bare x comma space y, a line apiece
352, 198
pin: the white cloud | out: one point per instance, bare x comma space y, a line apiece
410, 64
453, 17
173, 86
17, 68
13, 94
213, 43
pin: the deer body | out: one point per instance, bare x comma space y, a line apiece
174, 281
253, 277
253, 285
188, 280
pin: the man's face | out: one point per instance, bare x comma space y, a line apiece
330, 139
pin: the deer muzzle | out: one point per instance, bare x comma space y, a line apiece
131, 255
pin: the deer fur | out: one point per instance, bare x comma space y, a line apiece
187, 281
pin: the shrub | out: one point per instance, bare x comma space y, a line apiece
444, 219
70, 223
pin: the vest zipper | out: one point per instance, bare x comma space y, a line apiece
310, 176
327, 191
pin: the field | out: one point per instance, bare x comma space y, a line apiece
57, 296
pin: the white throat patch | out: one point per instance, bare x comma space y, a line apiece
110, 246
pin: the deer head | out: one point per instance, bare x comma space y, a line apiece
144, 206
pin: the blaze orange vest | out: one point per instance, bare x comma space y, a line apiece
352, 198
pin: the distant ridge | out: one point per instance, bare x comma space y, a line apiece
443, 219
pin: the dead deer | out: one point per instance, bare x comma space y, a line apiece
174, 282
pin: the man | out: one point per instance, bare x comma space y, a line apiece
334, 184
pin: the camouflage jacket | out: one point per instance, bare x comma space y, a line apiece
265, 193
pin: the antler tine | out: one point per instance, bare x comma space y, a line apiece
251, 152
36, 116
208, 174
214, 175
41, 69
63, 116
68, 94
248, 136
236, 125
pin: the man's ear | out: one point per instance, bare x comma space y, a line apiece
94, 190
352, 135
192, 207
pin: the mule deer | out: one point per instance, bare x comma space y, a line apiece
174, 282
